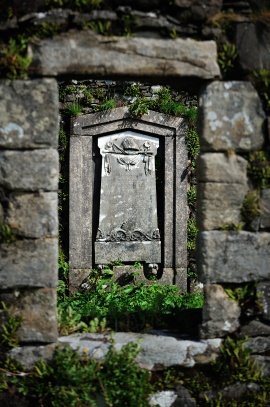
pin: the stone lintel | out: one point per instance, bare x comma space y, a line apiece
184, 61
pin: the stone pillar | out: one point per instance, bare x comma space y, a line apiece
230, 123
28, 207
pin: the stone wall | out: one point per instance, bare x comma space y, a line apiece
232, 124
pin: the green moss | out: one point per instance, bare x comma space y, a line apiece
6, 234
192, 231
8, 334
250, 208
258, 168
14, 62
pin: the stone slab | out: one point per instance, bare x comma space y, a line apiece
89, 54
37, 308
233, 257
253, 329
157, 352
33, 215
106, 252
29, 263
29, 356
265, 209
259, 344
221, 168
35, 170
220, 314
219, 204
29, 113
230, 117
255, 37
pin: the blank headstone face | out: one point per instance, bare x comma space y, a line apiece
128, 225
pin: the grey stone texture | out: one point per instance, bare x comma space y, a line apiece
35, 170
83, 187
230, 117
33, 215
265, 209
259, 344
87, 53
254, 328
263, 291
37, 309
255, 37
157, 352
222, 186
28, 113
220, 313
233, 257
29, 356
29, 263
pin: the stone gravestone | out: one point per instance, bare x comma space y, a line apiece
128, 226
128, 195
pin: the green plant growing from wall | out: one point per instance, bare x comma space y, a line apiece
258, 168
227, 55
140, 106
250, 208
14, 62
74, 110
8, 331
192, 231
101, 27
78, 5
192, 196
261, 80
106, 105
132, 90
6, 234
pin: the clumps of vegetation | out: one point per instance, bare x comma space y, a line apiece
247, 297
261, 80
192, 231
192, 197
227, 55
75, 381
250, 208
132, 90
120, 308
78, 5
74, 110
233, 227
6, 234
14, 62
258, 168
8, 330
106, 105
101, 27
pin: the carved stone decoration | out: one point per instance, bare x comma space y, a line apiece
128, 204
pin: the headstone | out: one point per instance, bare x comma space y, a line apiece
128, 225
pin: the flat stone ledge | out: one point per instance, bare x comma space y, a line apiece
230, 117
29, 356
35, 170
89, 54
157, 352
28, 113
233, 257
29, 263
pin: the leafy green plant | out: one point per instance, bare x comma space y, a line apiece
101, 27
192, 231
140, 107
8, 333
193, 143
6, 234
250, 208
261, 80
132, 90
259, 168
232, 226
14, 62
174, 34
79, 5
227, 55
192, 196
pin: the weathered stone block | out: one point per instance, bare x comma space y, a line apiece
233, 257
253, 329
219, 204
263, 290
265, 209
29, 170
259, 344
230, 117
29, 113
33, 215
29, 356
37, 308
31, 263
252, 42
222, 168
87, 53
220, 313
